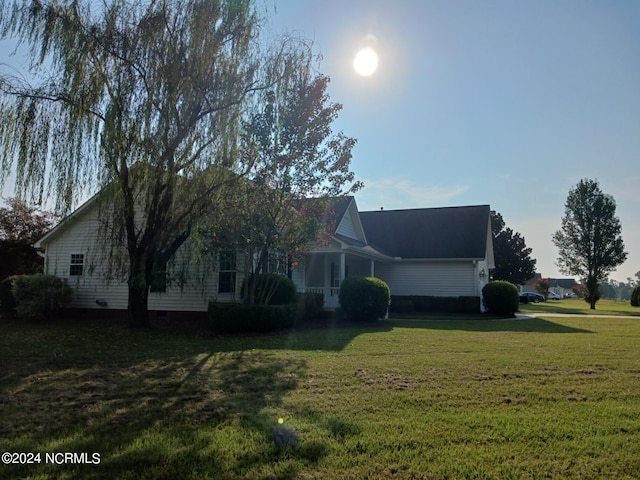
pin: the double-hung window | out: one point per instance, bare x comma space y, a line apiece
76, 265
278, 263
227, 272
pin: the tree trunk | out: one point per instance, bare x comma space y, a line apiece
138, 312
592, 286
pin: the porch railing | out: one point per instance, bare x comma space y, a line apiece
330, 295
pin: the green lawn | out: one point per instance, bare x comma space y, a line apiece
406, 399
577, 306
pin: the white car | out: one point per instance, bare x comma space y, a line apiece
553, 296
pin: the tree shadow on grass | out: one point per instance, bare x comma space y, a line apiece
209, 415
536, 325
331, 338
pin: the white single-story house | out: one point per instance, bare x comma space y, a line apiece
560, 286
444, 252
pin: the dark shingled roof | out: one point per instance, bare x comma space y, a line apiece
451, 232
562, 282
338, 208
335, 207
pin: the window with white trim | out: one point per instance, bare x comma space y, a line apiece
76, 265
227, 272
278, 263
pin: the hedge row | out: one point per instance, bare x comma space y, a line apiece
37, 297
7, 302
428, 304
241, 318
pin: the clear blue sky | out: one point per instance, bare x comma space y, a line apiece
488, 102
507, 103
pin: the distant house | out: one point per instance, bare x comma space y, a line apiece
561, 286
530, 285
428, 251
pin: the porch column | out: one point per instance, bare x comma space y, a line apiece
343, 267
372, 268
327, 278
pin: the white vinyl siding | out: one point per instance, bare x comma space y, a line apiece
440, 279
350, 225
346, 227
81, 235
298, 277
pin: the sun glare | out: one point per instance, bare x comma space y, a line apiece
366, 62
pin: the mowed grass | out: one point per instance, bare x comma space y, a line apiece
577, 306
405, 399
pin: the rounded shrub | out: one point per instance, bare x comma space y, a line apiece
310, 306
500, 297
272, 289
40, 296
364, 299
635, 297
7, 302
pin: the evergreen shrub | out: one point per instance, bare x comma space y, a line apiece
364, 299
40, 296
432, 304
7, 302
309, 306
272, 289
500, 297
241, 318
401, 304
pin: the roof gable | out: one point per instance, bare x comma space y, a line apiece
566, 283
348, 224
75, 216
429, 233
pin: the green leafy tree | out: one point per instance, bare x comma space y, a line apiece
145, 96
512, 256
589, 241
20, 226
299, 166
542, 287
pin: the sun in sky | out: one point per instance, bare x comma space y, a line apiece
365, 62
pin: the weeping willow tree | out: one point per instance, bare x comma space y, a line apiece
144, 96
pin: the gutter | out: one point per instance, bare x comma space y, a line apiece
400, 259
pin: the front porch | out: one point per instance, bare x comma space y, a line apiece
324, 272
